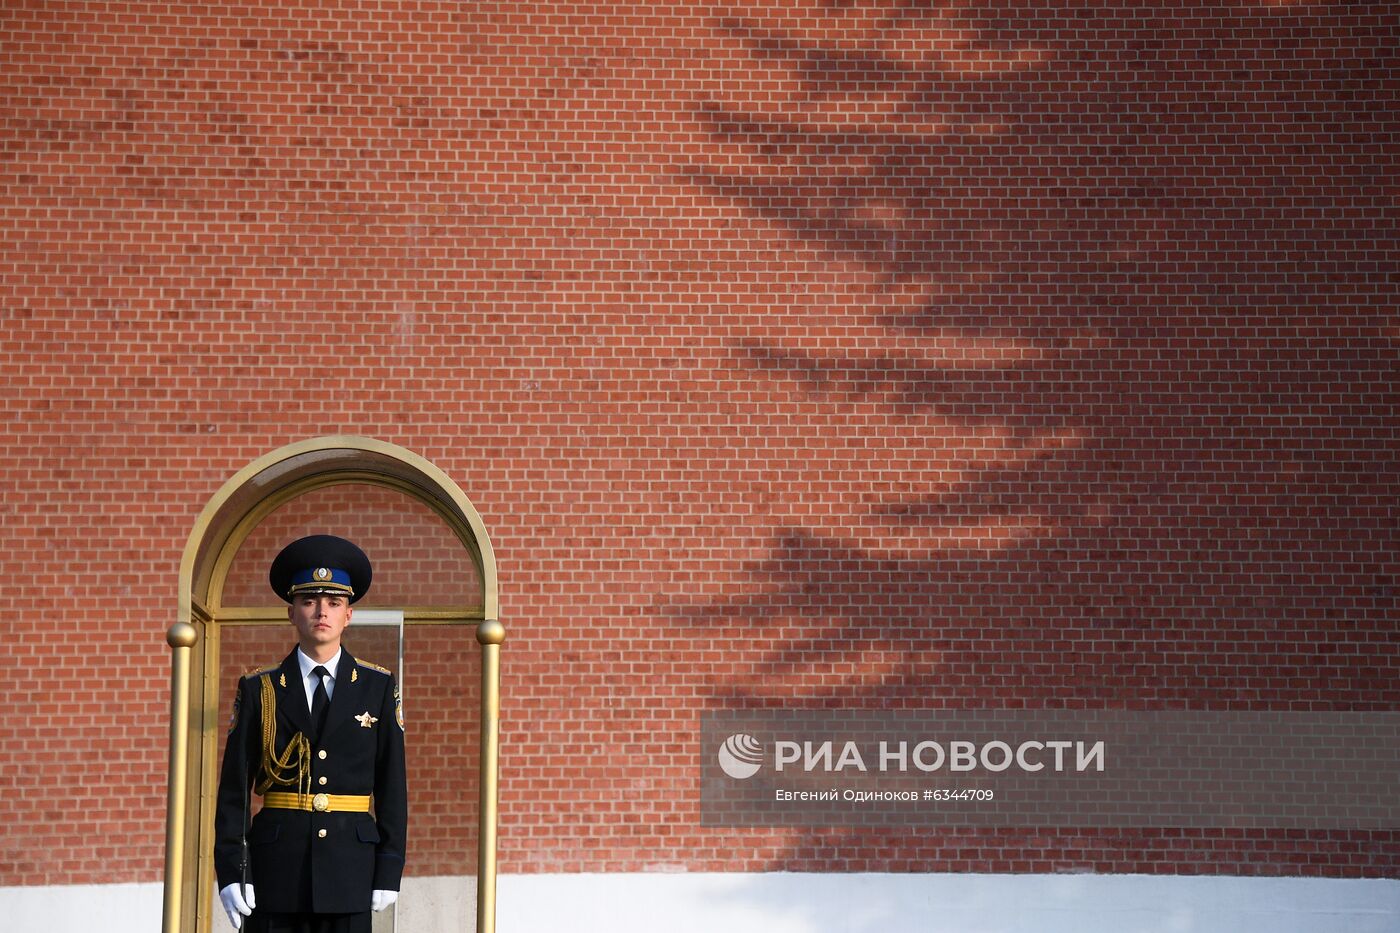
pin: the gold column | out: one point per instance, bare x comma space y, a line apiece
181, 638
490, 634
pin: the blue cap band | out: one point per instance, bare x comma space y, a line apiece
321, 579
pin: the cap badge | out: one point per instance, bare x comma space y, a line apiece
366, 720
323, 574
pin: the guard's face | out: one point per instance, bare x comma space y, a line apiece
319, 620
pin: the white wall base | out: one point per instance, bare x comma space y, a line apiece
915, 903
431, 904
809, 903
82, 907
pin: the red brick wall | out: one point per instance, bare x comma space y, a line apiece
805, 355
417, 560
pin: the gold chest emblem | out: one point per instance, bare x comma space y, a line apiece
366, 720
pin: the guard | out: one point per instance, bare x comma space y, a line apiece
320, 738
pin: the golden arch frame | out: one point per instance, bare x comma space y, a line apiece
226, 521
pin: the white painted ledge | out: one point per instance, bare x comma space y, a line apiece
82, 908
921, 903
808, 903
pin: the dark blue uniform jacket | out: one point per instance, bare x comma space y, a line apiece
309, 862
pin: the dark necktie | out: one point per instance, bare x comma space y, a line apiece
320, 700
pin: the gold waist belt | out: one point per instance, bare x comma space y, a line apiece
320, 803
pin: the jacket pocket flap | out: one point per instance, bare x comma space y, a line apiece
263, 832
368, 832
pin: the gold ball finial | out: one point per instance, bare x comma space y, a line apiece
182, 635
490, 632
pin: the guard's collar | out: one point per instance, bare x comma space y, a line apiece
307, 665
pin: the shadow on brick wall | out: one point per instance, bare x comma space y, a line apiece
1130, 333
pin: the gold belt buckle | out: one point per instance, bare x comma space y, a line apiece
321, 803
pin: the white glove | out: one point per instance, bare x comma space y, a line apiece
381, 899
234, 904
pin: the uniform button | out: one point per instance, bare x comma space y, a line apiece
323, 779
321, 754
322, 834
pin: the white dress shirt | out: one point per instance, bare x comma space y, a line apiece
308, 679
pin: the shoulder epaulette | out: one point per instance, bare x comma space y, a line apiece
374, 667
254, 672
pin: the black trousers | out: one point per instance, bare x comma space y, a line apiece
262, 922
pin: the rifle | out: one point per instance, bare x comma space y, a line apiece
246, 790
